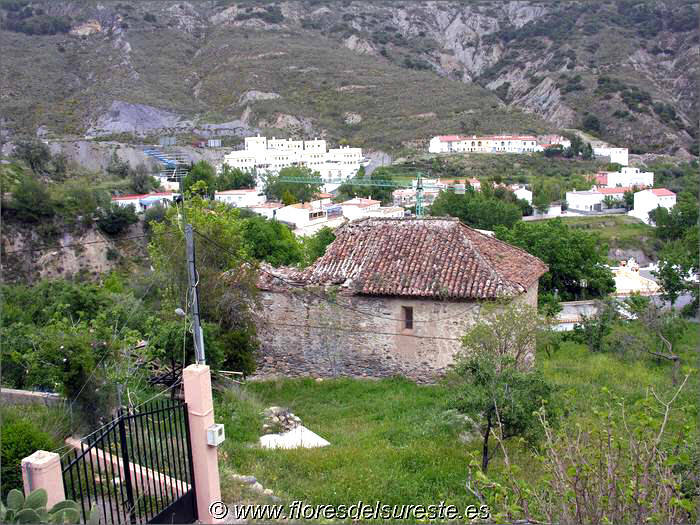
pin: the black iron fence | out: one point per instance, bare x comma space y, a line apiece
137, 469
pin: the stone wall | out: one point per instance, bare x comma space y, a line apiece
11, 396
304, 335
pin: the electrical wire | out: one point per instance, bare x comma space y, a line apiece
323, 298
103, 241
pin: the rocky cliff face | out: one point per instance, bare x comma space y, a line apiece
625, 70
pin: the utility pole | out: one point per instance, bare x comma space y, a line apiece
194, 282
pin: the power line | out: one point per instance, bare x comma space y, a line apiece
103, 241
323, 298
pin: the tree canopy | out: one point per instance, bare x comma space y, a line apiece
280, 188
576, 258
234, 179
476, 209
271, 241
202, 172
352, 189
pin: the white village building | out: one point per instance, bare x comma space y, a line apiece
243, 198
266, 209
359, 208
592, 200
521, 192
485, 144
270, 156
302, 214
650, 199
617, 155
142, 202
627, 176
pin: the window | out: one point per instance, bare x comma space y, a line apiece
407, 317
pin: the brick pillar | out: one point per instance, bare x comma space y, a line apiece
200, 408
42, 470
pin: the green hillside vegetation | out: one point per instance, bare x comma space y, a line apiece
621, 231
316, 79
404, 80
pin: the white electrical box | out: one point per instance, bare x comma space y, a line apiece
215, 435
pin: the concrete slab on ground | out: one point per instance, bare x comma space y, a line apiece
298, 437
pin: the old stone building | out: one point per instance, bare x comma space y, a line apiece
389, 297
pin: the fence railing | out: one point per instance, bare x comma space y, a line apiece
138, 469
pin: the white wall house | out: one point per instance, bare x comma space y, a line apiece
358, 207
627, 176
584, 200
617, 155
592, 200
648, 200
303, 214
243, 198
554, 210
144, 201
485, 144
266, 209
522, 193
552, 140
270, 156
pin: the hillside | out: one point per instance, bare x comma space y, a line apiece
380, 75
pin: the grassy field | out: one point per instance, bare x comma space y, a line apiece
395, 441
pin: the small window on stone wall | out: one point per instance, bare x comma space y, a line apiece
407, 317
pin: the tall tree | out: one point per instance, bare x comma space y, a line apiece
202, 172
576, 258
277, 186
234, 179
476, 209
36, 154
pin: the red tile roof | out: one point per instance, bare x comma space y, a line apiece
432, 257
601, 178
663, 192
360, 202
614, 191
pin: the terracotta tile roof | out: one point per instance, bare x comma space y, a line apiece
663, 192
360, 202
431, 257
614, 191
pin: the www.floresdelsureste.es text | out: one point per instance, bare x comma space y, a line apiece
298, 510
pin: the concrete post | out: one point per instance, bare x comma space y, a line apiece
42, 470
200, 408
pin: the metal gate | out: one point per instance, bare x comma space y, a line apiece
137, 469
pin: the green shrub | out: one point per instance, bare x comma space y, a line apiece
19, 439
31, 201
114, 219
